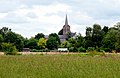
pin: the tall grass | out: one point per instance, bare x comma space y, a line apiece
59, 66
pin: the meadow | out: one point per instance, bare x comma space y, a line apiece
59, 66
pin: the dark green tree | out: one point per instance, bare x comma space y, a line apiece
31, 43
4, 31
88, 32
79, 40
52, 43
112, 39
39, 35
15, 39
105, 30
1, 40
56, 37
97, 35
88, 38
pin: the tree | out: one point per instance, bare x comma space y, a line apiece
42, 43
4, 30
8, 47
56, 37
97, 35
65, 44
88, 32
72, 41
88, 38
15, 39
79, 40
52, 43
31, 43
1, 40
105, 29
39, 35
112, 39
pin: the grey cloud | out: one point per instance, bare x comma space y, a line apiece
13, 18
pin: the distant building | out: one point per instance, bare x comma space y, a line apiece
63, 33
26, 49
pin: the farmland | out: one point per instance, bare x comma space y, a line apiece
59, 66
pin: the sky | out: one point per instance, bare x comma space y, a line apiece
29, 17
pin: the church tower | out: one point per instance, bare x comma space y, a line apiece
63, 33
66, 27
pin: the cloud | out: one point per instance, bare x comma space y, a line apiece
13, 18
30, 17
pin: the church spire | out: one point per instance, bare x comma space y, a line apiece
66, 21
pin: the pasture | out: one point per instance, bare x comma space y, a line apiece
59, 66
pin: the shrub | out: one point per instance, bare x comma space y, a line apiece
81, 49
72, 49
90, 49
106, 49
9, 49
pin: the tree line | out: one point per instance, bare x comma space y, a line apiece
96, 38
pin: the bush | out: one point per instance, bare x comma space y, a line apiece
72, 49
81, 49
9, 49
106, 49
90, 49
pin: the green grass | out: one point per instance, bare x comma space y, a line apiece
59, 66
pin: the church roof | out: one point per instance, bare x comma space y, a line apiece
66, 21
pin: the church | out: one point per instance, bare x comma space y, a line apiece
63, 33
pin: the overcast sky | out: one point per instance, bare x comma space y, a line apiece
29, 17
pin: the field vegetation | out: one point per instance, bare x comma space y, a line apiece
60, 66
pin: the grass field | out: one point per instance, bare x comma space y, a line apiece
59, 66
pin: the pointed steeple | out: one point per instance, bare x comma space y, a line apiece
66, 21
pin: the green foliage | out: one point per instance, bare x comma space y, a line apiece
41, 43
65, 44
112, 39
72, 49
89, 32
90, 49
72, 41
56, 37
52, 43
9, 49
4, 31
1, 38
106, 49
15, 39
39, 35
79, 40
31, 43
81, 49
